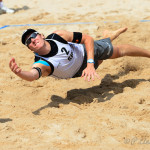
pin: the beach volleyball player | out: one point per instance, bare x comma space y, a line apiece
64, 54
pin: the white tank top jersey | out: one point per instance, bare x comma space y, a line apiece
67, 61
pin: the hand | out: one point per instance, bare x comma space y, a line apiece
89, 72
14, 67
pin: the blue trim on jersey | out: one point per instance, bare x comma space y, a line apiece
41, 62
36, 53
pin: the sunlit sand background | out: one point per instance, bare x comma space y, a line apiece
51, 114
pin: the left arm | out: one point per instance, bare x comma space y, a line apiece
89, 72
32, 74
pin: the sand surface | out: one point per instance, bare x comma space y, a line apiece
49, 114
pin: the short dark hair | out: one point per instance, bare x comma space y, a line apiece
25, 33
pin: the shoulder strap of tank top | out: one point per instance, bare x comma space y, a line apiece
56, 37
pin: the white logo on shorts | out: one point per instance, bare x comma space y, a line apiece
109, 50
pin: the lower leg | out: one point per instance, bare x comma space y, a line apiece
129, 50
113, 34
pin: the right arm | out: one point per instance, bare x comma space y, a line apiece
32, 74
89, 72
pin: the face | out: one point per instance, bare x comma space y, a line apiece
35, 41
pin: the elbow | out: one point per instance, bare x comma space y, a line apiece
30, 79
90, 38
87, 39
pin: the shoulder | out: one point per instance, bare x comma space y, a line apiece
41, 62
66, 35
57, 36
60, 32
45, 67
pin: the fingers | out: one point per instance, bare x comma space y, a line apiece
90, 76
11, 62
14, 67
86, 76
83, 74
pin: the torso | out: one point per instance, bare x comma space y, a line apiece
65, 58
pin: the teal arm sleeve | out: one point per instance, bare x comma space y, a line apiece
41, 62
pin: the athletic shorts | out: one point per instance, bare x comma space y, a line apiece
103, 50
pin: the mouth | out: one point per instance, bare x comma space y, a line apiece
36, 43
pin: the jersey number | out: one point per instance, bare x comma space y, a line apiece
67, 52
63, 49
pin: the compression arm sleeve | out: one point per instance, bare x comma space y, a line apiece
77, 37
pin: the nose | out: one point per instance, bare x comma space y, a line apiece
32, 39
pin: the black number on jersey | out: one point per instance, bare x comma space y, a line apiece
71, 56
67, 52
63, 49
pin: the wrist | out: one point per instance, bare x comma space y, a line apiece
90, 61
90, 65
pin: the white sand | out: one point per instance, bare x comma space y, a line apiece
48, 114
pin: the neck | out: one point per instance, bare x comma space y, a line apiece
45, 49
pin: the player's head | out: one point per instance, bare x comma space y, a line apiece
25, 34
32, 39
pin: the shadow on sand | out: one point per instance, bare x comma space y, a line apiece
17, 9
4, 120
104, 92
23, 8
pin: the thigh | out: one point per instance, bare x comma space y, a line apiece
103, 49
115, 53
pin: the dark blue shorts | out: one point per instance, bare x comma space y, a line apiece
103, 49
